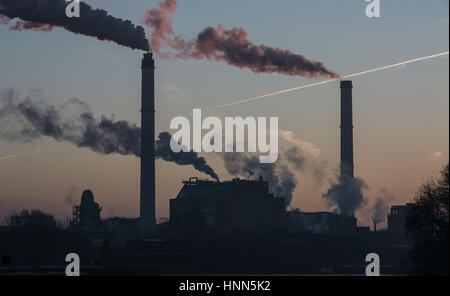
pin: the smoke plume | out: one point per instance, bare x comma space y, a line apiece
160, 19
230, 46
45, 15
281, 180
304, 161
24, 120
164, 151
347, 194
380, 208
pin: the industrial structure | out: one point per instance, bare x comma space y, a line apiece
346, 128
87, 215
211, 221
235, 207
397, 220
321, 223
147, 201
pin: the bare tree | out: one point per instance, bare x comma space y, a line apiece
428, 225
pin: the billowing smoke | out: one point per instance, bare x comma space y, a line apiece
380, 207
230, 46
160, 19
281, 180
24, 119
45, 15
304, 161
347, 194
164, 151
297, 158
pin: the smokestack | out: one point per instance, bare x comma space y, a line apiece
346, 129
147, 206
374, 226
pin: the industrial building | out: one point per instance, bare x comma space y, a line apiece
210, 221
397, 221
321, 223
235, 207
87, 215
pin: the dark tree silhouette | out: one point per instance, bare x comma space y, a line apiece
428, 225
33, 220
37, 238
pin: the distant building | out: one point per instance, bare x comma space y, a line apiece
87, 215
236, 207
397, 220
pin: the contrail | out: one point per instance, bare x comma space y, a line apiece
7, 157
330, 80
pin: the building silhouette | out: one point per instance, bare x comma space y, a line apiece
87, 215
234, 207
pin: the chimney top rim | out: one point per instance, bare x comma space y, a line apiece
346, 84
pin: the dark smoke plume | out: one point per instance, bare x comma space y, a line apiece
25, 120
381, 206
281, 180
45, 15
230, 46
347, 194
164, 151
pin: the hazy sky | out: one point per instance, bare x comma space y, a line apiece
401, 116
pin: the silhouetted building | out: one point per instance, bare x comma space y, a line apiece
120, 230
397, 219
87, 215
235, 207
321, 222
363, 229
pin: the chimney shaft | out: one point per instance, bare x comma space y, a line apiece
147, 202
346, 128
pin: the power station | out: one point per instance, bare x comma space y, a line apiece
147, 221
238, 225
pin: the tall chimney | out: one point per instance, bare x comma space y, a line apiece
147, 206
346, 129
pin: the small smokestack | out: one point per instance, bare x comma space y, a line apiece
374, 226
147, 203
346, 129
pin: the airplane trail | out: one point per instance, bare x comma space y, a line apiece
329, 80
11, 156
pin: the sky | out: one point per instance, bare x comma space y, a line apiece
401, 115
